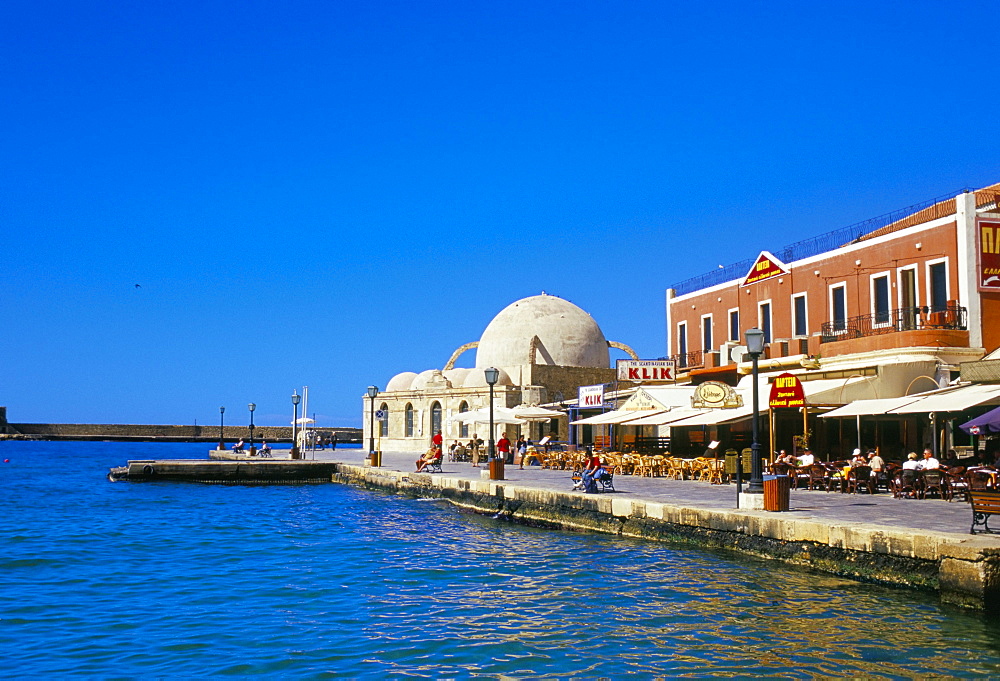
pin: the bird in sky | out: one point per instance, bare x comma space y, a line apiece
137, 286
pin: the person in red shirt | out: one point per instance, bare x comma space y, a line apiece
437, 440
503, 449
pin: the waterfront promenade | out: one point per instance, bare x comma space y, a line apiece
935, 515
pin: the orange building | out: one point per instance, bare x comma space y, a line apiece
891, 306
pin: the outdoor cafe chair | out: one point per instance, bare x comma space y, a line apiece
958, 486
860, 477
981, 479
930, 482
903, 484
818, 476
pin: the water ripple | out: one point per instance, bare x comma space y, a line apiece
156, 580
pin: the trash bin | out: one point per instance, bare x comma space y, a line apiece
777, 490
496, 468
376, 459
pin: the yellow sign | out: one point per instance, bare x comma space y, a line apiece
715, 395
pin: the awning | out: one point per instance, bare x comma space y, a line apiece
951, 399
871, 407
717, 416
664, 418
837, 390
614, 417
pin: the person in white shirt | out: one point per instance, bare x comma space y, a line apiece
911, 463
929, 463
807, 458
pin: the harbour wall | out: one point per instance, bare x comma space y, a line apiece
964, 570
165, 433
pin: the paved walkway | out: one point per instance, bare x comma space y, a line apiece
879, 509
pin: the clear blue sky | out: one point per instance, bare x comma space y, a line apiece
328, 193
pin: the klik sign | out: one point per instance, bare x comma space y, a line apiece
765, 267
787, 391
988, 236
715, 395
591, 396
646, 370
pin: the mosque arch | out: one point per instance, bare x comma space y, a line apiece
463, 428
408, 420
436, 414
383, 423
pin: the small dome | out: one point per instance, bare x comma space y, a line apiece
457, 376
567, 336
477, 379
401, 381
431, 377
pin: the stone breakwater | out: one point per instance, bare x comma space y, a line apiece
963, 569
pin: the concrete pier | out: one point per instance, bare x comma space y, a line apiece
235, 472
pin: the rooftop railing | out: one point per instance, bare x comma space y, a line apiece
819, 244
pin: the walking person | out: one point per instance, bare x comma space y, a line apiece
474, 446
504, 450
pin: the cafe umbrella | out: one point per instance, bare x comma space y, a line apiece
987, 423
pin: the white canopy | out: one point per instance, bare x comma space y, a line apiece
717, 416
870, 407
619, 416
666, 417
951, 399
532, 413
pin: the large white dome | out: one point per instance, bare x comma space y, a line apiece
567, 336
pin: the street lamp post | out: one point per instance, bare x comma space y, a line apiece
296, 398
252, 407
755, 348
496, 470
372, 394
222, 423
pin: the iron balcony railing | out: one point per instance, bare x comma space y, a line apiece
689, 360
894, 321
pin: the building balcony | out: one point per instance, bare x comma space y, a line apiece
950, 317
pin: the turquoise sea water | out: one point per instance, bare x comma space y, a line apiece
147, 580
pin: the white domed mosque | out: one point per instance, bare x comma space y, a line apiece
545, 348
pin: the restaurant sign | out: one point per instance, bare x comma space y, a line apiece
787, 391
715, 395
646, 370
591, 396
765, 267
988, 235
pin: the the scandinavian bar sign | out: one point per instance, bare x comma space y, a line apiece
591, 396
787, 391
646, 370
988, 235
765, 267
715, 395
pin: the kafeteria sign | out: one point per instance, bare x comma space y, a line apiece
988, 235
765, 267
591, 396
646, 370
715, 395
786, 391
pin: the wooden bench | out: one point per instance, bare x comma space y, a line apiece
984, 504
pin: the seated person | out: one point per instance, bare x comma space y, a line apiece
430, 456
807, 458
265, 449
459, 454
929, 463
238, 447
858, 459
784, 457
876, 463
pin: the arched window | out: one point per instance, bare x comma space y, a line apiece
463, 429
436, 418
409, 420
383, 424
